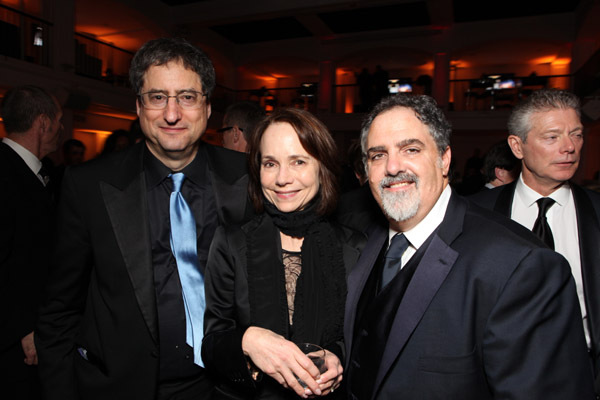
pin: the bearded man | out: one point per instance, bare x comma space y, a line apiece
450, 301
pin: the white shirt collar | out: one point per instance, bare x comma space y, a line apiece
30, 159
420, 232
529, 196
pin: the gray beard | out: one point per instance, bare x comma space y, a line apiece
400, 206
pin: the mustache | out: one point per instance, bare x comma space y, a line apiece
399, 177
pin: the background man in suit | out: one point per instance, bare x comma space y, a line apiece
546, 134
463, 304
239, 122
115, 324
500, 166
32, 121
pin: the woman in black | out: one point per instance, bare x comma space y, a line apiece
280, 279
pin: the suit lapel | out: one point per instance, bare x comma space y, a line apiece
589, 238
230, 184
505, 199
26, 175
125, 202
358, 278
351, 255
230, 198
429, 276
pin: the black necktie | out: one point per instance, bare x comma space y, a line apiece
393, 258
541, 227
45, 174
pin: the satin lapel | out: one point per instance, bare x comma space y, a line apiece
358, 278
230, 198
230, 183
350, 255
128, 213
429, 276
505, 199
589, 247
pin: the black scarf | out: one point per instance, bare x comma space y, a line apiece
321, 286
294, 223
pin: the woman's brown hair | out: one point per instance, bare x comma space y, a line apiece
315, 139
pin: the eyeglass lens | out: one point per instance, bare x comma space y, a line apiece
160, 100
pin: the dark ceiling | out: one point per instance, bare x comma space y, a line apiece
262, 31
180, 2
471, 11
395, 16
404, 15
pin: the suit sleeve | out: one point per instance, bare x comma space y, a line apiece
15, 320
222, 345
60, 315
25, 242
534, 347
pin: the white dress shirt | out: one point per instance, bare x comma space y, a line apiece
34, 164
420, 232
562, 219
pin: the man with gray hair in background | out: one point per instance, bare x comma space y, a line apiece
448, 300
239, 123
32, 121
546, 134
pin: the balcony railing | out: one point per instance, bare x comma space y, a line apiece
29, 38
99, 60
499, 93
464, 94
24, 36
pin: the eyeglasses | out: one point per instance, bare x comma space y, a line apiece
188, 100
226, 128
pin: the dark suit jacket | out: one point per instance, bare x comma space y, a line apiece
488, 314
25, 244
231, 301
358, 209
101, 293
587, 208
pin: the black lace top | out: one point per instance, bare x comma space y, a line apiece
292, 263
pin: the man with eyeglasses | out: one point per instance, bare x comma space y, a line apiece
123, 318
239, 122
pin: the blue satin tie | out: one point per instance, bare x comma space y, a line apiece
184, 247
393, 258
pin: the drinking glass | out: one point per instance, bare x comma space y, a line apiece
316, 354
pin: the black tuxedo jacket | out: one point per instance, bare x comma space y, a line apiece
587, 208
25, 244
101, 294
488, 314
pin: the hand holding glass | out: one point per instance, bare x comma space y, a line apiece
316, 354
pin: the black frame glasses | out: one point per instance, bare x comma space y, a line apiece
180, 98
226, 128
